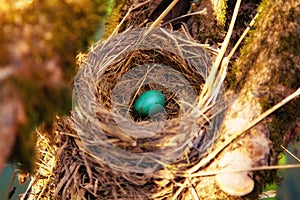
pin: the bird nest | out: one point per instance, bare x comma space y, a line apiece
105, 150
116, 73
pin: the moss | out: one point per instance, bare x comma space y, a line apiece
286, 73
237, 76
220, 12
114, 18
270, 60
261, 179
280, 53
238, 71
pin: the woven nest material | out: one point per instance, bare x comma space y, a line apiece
104, 150
115, 73
120, 69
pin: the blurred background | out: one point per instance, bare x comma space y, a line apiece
39, 42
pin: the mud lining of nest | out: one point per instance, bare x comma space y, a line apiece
104, 150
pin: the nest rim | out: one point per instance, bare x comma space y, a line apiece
159, 40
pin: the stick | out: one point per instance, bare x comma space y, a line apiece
241, 132
242, 36
157, 22
212, 173
209, 82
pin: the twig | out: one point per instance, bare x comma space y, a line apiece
194, 191
179, 190
157, 22
26, 194
133, 7
212, 173
205, 94
290, 153
241, 132
242, 36
201, 12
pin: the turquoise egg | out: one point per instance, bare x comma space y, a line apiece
150, 102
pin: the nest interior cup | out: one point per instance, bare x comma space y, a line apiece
116, 73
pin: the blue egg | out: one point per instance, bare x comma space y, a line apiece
150, 102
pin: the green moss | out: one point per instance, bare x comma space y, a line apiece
274, 44
237, 76
287, 73
114, 18
221, 12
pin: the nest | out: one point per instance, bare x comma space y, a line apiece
109, 152
116, 73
